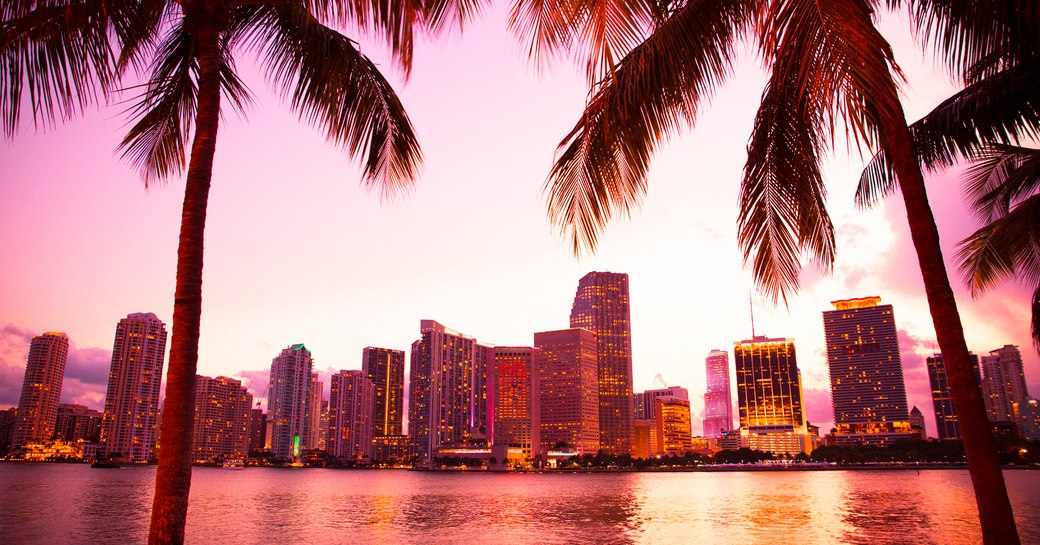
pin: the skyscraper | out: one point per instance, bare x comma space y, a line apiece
568, 390
315, 431
257, 428
385, 368
866, 372
351, 400
41, 388
672, 420
918, 428
1003, 383
718, 403
441, 404
222, 415
769, 395
601, 305
942, 399
515, 395
290, 393
132, 400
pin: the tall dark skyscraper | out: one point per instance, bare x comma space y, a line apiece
132, 402
866, 372
568, 391
290, 393
769, 395
445, 381
942, 400
41, 388
718, 402
385, 368
601, 305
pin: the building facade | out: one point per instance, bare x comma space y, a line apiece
41, 388
131, 423
351, 410
222, 417
866, 373
601, 305
918, 428
769, 396
942, 399
317, 415
290, 393
672, 419
1003, 383
718, 401
568, 390
645, 402
515, 399
257, 429
385, 368
76, 422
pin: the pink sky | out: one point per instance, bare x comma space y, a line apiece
297, 252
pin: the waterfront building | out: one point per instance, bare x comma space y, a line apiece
515, 399
222, 414
290, 393
444, 403
866, 373
75, 422
316, 432
1003, 383
41, 388
568, 390
131, 423
644, 432
351, 401
769, 396
385, 368
257, 429
8, 419
647, 400
942, 399
672, 419
1028, 413
718, 402
601, 305
918, 429
390, 448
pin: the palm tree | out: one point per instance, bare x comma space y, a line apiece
827, 63
60, 56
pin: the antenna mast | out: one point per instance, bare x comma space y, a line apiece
752, 308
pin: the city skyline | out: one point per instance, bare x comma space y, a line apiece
59, 220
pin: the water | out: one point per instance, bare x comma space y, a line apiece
51, 503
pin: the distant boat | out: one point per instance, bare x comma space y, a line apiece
100, 464
234, 463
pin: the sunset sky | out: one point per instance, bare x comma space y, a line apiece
297, 252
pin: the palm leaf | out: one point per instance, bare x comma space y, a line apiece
1003, 249
601, 165
332, 85
1001, 109
999, 177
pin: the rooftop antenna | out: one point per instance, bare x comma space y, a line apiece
752, 308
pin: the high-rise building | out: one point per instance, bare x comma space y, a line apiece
918, 429
515, 399
942, 399
315, 431
483, 364
41, 388
672, 420
257, 429
769, 396
8, 419
442, 409
290, 394
1003, 383
385, 368
131, 423
222, 417
351, 401
1028, 413
568, 390
718, 403
866, 372
646, 401
77, 422
642, 438
601, 305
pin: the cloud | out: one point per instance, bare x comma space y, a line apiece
255, 382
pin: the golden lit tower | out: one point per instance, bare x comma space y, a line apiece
350, 415
41, 388
601, 305
514, 399
385, 368
866, 372
769, 395
132, 401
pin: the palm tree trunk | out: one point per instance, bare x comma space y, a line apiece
995, 515
173, 477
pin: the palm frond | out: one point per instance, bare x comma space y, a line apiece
60, 53
332, 85
601, 165
1034, 322
999, 177
1005, 248
999, 110
547, 26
